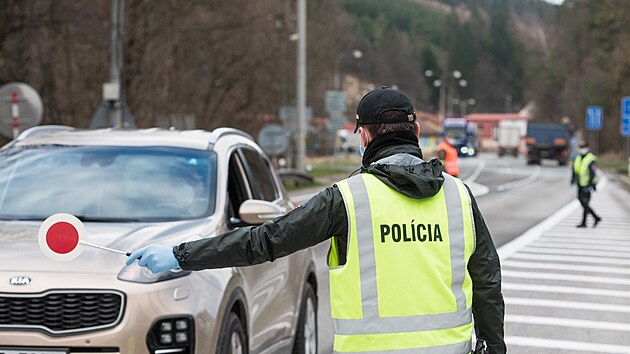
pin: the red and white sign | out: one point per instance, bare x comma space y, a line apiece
61, 237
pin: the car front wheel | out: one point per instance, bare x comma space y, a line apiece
306, 333
232, 339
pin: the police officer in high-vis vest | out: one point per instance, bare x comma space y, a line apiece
585, 176
411, 259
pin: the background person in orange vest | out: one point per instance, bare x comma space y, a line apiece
448, 156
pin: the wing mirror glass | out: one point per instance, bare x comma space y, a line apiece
256, 212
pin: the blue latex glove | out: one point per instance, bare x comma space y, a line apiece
156, 258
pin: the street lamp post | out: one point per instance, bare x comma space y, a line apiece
301, 86
462, 103
441, 83
357, 54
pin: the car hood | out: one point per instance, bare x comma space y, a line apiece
19, 249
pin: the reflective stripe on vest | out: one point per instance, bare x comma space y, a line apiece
581, 168
405, 285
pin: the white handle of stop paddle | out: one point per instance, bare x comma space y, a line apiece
104, 248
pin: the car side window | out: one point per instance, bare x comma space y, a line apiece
238, 189
260, 176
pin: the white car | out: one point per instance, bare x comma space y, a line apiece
132, 188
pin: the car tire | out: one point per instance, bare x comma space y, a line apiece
306, 333
232, 338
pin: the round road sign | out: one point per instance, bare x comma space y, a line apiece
273, 139
61, 237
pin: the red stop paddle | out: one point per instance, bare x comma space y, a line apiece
61, 237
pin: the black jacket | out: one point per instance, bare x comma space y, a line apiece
324, 215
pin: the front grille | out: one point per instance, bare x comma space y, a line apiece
61, 312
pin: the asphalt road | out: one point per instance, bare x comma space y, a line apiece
513, 196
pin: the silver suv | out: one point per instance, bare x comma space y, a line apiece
132, 188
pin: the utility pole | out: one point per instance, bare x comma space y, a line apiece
301, 85
113, 111
115, 60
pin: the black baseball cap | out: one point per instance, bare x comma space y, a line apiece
385, 99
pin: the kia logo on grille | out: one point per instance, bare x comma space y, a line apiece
20, 280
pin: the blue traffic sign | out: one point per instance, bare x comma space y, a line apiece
625, 116
594, 117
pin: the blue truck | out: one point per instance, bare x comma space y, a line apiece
547, 141
463, 134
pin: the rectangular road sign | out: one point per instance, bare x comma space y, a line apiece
625, 116
594, 117
335, 101
289, 113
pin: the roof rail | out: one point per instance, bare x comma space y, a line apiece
221, 132
42, 129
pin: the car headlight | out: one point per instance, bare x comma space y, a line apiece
471, 151
464, 149
136, 274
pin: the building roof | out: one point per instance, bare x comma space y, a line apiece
495, 117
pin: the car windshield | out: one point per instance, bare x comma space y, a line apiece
458, 132
98, 183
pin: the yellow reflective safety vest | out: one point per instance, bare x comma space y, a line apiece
581, 168
405, 286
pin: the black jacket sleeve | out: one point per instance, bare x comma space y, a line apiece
303, 227
592, 173
485, 270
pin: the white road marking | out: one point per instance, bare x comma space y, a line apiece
612, 254
565, 290
586, 241
566, 344
546, 244
477, 189
565, 277
520, 182
575, 259
473, 176
588, 306
537, 231
602, 235
568, 322
563, 266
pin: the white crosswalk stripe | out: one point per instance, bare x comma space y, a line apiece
567, 288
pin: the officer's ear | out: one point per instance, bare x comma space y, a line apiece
417, 129
365, 136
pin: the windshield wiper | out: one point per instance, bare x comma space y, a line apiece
20, 218
105, 219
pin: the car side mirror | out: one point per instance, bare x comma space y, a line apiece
256, 212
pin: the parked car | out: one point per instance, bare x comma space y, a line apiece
132, 188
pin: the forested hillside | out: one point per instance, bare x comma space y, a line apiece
233, 62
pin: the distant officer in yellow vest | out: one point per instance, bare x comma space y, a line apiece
411, 259
585, 176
